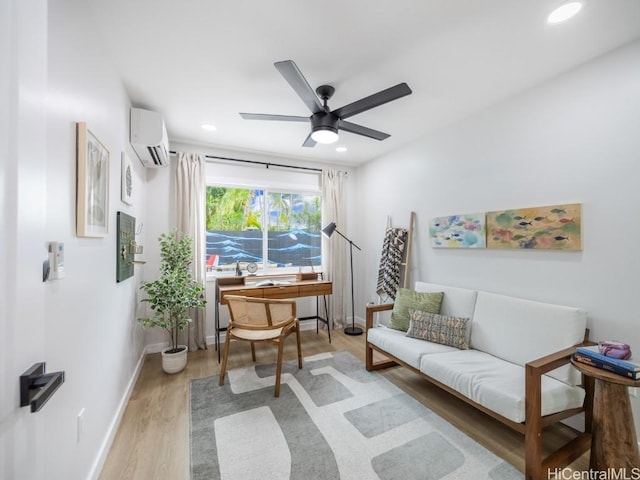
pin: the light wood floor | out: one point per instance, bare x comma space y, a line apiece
152, 441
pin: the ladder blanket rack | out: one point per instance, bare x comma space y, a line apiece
395, 257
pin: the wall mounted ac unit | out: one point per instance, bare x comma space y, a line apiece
148, 137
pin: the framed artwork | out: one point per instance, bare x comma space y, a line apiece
92, 194
458, 231
126, 183
126, 227
555, 227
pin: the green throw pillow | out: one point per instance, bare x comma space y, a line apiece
409, 299
442, 329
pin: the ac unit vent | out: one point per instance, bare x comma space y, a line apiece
148, 137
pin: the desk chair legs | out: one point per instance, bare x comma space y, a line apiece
227, 342
299, 347
223, 367
280, 351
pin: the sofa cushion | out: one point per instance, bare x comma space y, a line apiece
409, 350
520, 331
457, 302
496, 384
442, 329
406, 299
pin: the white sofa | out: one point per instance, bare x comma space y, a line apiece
516, 370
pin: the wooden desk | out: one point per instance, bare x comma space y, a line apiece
613, 438
246, 286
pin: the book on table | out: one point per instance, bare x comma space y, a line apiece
270, 283
591, 356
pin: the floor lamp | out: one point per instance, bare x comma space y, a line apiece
328, 231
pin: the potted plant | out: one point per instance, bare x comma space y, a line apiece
171, 296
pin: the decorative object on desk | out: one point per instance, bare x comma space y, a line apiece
252, 268
238, 271
306, 276
591, 356
126, 182
611, 348
328, 231
555, 227
92, 194
171, 296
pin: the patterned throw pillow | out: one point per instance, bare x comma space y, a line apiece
442, 329
406, 299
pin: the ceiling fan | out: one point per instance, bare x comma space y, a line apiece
325, 123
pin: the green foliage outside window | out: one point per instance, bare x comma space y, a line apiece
238, 209
230, 209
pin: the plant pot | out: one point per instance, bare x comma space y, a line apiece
174, 362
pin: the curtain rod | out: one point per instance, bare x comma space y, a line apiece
256, 162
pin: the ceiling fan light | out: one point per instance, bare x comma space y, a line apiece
324, 134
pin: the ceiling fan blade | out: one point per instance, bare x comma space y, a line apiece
372, 101
360, 130
293, 75
266, 116
309, 142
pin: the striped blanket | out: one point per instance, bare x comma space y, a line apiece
395, 240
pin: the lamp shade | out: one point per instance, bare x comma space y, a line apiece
329, 229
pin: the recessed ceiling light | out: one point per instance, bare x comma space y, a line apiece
341, 149
208, 127
564, 12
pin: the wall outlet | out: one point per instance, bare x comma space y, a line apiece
633, 391
80, 425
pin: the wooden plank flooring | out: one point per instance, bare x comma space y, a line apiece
152, 441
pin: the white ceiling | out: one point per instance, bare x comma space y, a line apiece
198, 61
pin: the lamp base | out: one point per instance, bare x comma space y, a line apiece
353, 330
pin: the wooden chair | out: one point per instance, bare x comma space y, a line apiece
256, 320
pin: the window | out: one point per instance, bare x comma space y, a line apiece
274, 229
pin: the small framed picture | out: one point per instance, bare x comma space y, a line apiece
126, 192
92, 182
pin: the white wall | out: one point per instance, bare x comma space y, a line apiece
85, 323
574, 139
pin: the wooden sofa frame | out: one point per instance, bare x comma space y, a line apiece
536, 466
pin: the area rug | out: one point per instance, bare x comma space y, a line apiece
333, 420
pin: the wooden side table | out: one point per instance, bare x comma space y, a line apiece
613, 440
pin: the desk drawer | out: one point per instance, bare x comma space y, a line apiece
317, 289
245, 292
281, 292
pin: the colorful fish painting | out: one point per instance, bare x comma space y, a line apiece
556, 227
458, 231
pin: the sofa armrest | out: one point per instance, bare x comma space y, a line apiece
551, 362
533, 413
371, 309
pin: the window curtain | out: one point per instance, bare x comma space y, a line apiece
190, 219
334, 249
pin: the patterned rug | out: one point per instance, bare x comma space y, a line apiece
333, 420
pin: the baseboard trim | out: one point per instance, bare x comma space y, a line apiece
211, 339
156, 347
96, 468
